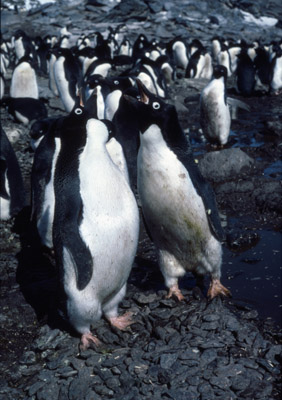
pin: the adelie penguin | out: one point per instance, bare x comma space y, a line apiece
24, 80
276, 73
246, 74
96, 226
68, 77
215, 116
178, 205
12, 192
25, 109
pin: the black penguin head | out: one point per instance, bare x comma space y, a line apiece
151, 109
220, 71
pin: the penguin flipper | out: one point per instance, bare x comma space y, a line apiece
204, 190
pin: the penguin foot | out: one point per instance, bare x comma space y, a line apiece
86, 340
123, 321
175, 291
217, 288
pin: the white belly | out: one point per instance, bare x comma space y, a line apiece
172, 208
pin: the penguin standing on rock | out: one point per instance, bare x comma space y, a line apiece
178, 205
96, 226
215, 116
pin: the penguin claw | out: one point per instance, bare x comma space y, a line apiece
175, 291
123, 321
86, 339
216, 288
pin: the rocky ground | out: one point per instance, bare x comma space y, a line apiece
191, 350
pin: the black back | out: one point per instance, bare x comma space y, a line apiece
68, 202
156, 111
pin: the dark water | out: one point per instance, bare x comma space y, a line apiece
254, 276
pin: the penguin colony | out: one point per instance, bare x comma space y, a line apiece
119, 136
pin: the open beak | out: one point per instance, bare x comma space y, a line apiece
143, 98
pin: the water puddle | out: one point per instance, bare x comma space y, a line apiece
254, 276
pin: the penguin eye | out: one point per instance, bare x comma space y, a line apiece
78, 111
156, 105
116, 82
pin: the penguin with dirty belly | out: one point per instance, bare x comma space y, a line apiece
179, 206
95, 228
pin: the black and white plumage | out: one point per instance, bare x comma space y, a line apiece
96, 224
276, 72
215, 116
178, 205
24, 79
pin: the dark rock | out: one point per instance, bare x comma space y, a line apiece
225, 164
167, 360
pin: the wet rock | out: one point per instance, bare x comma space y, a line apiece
225, 164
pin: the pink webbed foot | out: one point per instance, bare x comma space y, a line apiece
216, 288
123, 321
175, 291
87, 339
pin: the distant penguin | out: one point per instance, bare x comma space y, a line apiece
216, 47
245, 74
23, 45
200, 65
215, 116
86, 56
99, 66
178, 205
26, 109
96, 226
52, 57
68, 77
117, 86
276, 73
177, 49
262, 65
140, 47
24, 80
223, 58
12, 192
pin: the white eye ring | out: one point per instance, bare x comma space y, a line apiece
156, 105
116, 82
78, 111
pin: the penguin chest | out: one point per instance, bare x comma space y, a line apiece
110, 219
173, 210
63, 84
24, 83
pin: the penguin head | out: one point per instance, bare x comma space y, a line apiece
220, 71
151, 109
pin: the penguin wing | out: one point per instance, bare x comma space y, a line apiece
204, 190
68, 216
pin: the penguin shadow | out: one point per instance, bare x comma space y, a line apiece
37, 275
